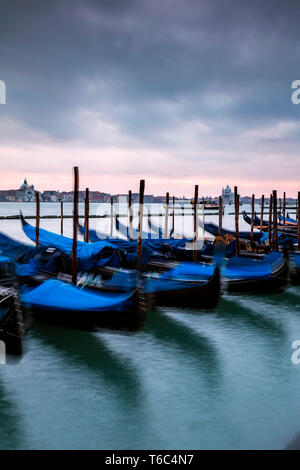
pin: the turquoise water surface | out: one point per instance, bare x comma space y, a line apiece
187, 380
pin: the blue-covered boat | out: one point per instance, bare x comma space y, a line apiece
256, 221
62, 303
288, 221
286, 229
197, 292
213, 229
194, 285
11, 320
89, 255
269, 274
295, 267
156, 248
113, 309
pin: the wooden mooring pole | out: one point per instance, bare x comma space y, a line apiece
130, 215
220, 214
280, 206
195, 223
141, 210
37, 219
173, 218
86, 215
275, 215
252, 218
61, 217
284, 207
75, 225
262, 212
111, 216
236, 212
270, 218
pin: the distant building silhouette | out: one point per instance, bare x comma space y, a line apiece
227, 195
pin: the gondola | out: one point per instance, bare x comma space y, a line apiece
89, 255
157, 248
38, 270
125, 231
187, 285
287, 235
260, 239
247, 219
164, 249
289, 230
289, 221
295, 267
270, 274
154, 228
11, 321
280, 226
184, 288
60, 303
213, 229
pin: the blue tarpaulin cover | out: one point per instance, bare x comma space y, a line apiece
296, 258
15, 249
7, 267
183, 276
239, 267
56, 295
158, 284
196, 271
129, 247
87, 253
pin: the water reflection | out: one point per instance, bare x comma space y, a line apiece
173, 331
246, 312
10, 422
82, 348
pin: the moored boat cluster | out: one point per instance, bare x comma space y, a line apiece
114, 282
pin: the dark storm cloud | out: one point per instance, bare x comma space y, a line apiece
147, 73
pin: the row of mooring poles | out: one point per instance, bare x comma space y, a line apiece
273, 223
75, 223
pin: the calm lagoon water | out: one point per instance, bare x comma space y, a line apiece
188, 380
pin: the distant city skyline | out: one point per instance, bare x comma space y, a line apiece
26, 193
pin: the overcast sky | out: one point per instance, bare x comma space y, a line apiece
176, 92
